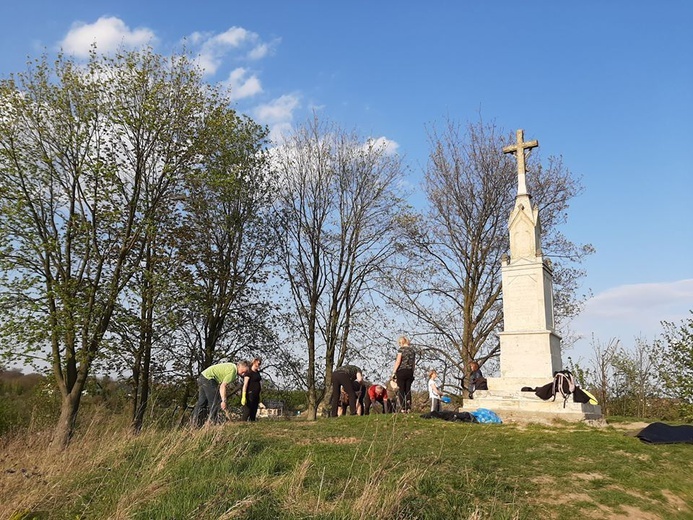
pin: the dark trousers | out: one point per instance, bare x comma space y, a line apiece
367, 403
405, 378
341, 380
208, 401
252, 402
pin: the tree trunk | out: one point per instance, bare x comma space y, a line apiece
312, 407
145, 349
66, 423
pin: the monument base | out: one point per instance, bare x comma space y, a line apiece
512, 405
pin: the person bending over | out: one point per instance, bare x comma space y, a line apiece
213, 384
377, 394
344, 377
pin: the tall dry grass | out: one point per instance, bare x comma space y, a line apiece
33, 474
391, 467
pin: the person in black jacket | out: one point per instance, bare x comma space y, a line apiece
344, 377
403, 373
250, 397
477, 381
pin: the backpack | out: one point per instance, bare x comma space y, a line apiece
545, 392
583, 396
563, 383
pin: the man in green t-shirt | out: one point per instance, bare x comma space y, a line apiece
213, 385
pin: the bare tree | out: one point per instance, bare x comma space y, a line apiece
602, 368
339, 202
451, 281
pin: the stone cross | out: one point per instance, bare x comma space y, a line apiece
519, 150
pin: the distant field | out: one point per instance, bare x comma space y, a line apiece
380, 467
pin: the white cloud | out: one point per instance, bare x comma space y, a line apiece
640, 299
278, 114
108, 32
233, 37
388, 145
242, 84
631, 311
279, 110
213, 48
259, 52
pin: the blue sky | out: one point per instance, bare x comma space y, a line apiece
607, 85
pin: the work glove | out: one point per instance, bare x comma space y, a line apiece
243, 400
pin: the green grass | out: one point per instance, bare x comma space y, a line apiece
379, 466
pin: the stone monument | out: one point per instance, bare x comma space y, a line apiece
530, 348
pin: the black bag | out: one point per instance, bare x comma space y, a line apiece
579, 396
563, 383
545, 392
450, 416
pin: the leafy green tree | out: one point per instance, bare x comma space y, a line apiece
89, 154
637, 372
226, 242
676, 347
198, 299
139, 325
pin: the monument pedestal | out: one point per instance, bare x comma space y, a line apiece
525, 407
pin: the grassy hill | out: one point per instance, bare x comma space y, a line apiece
379, 467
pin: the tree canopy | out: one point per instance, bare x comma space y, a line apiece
93, 158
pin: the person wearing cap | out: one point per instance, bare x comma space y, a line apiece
213, 384
344, 378
376, 394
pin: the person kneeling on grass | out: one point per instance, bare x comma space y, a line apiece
344, 377
213, 385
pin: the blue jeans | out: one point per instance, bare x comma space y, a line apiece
208, 401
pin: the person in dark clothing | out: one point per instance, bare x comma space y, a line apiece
344, 377
403, 373
359, 391
250, 397
477, 381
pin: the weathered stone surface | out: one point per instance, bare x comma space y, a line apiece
530, 347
